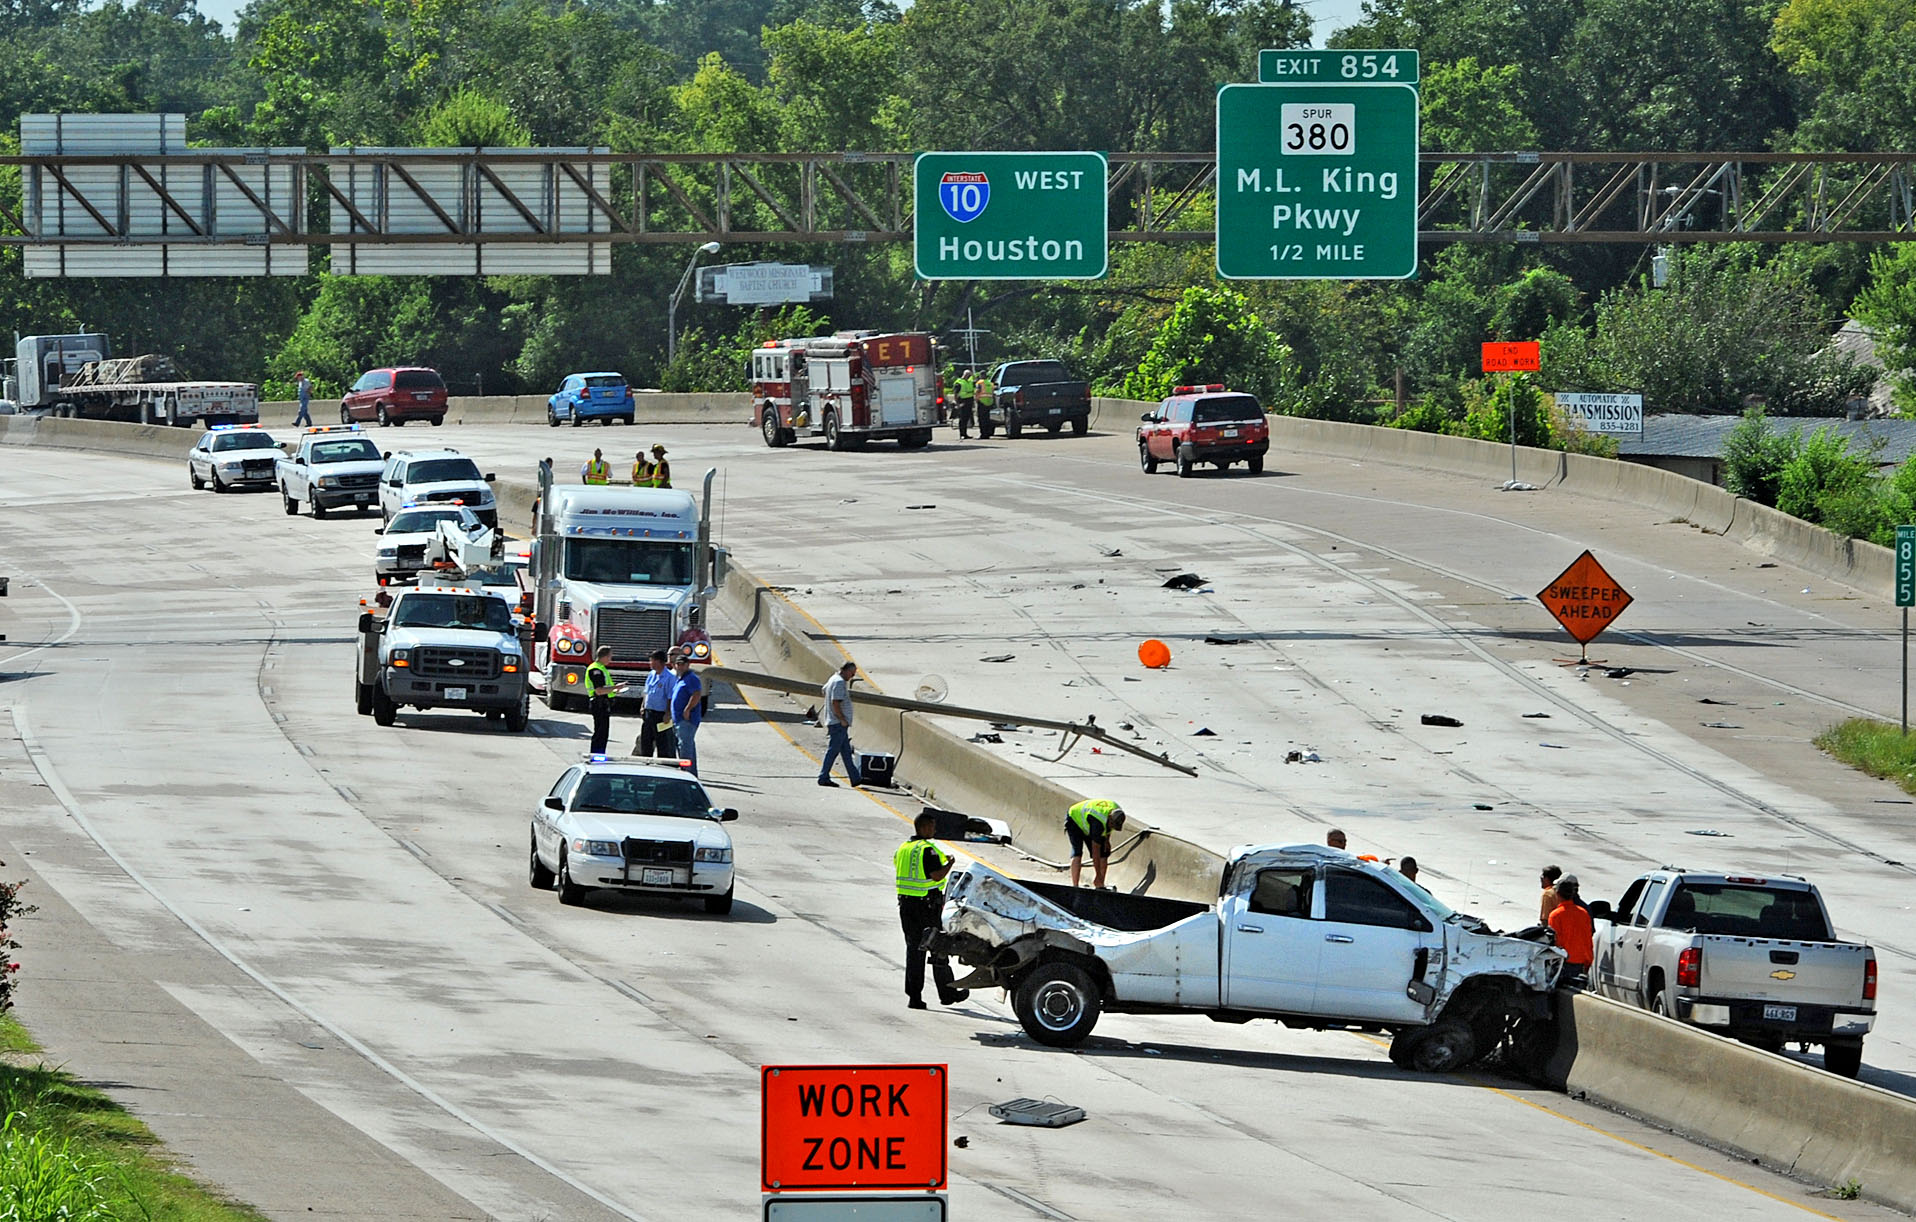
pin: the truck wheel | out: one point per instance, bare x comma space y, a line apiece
570, 894
1845, 1060
1080, 425
1185, 465
519, 715
834, 440
537, 876
720, 905
319, 509
193, 478
292, 506
363, 698
1660, 1003
1014, 427
384, 417
1445, 1046
915, 441
768, 427
1148, 464
1058, 1004
385, 712
1255, 464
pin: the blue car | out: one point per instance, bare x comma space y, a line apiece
591, 396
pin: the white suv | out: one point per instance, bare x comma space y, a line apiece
424, 477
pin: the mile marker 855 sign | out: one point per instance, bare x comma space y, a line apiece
1009, 216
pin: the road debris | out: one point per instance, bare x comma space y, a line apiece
1705, 831
1554, 746
1544, 716
1112, 551
1204, 732
1306, 756
1189, 581
999, 657
1226, 640
1720, 725
1439, 719
921, 506
985, 738
1036, 1112
1155, 654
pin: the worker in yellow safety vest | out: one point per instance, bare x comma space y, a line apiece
962, 387
1091, 822
920, 867
598, 471
661, 469
599, 690
983, 393
641, 470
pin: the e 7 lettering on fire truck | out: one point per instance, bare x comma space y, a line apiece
849, 388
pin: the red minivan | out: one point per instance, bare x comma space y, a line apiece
394, 396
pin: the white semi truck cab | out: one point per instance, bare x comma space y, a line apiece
617, 566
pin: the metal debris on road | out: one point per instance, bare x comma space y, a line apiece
1036, 1112
1226, 640
999, 657
1544, 716
1705, 831
1439, 719
1185, 581
1721, 725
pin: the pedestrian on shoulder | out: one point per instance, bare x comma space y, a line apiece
661, 469
688, 710
1090, 823
303, 388
599, 690
838, 727
1570, 922
1548, 903
920, 867
656, 737
962, 386
641, 470
982, 393
596, 471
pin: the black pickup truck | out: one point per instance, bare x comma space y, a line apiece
1036, 394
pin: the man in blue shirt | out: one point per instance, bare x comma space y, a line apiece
655, 730
688, 709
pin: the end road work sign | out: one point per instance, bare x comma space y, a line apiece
1009, 216
1584, 598
852, 1126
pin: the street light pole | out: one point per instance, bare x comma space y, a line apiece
672, 306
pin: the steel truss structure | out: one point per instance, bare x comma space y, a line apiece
679, 199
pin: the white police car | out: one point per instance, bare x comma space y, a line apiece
404, 541
643, 827
230, 456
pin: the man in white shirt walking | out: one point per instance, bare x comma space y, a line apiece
838, 727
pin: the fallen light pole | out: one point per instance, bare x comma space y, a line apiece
1072, 730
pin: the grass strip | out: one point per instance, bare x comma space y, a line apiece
1877, 747
69, 1152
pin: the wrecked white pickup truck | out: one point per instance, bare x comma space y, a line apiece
1306, 935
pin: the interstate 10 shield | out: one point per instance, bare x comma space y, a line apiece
964, 195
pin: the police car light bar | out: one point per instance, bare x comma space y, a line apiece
1197, 390
332, 428
221, 428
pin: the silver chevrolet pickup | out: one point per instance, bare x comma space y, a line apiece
1306, 935
1745, 956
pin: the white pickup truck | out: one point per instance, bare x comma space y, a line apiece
1749, 957
1306, 935
332, 466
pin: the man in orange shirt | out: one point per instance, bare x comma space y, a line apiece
1570, 922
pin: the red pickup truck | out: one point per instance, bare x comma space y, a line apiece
1200, 424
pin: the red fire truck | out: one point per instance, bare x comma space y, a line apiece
849, 388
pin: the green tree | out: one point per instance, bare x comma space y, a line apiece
1214, 336
472, 119
1887, 305
1468, 108
1490, 404
1754, 456
1855, 61
1824, 474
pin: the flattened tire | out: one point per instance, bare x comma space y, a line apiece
1058, 1004
1844, 1060
537, 876
1445, 1046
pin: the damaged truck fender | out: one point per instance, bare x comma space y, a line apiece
1306, 935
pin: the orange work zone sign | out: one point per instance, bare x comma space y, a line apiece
1513, 358
1584, 598
852, 1126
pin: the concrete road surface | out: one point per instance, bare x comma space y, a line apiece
304, 948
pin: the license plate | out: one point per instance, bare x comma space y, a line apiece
657, 878
364, 498
421, 395
455, 693
1057, 411
1230, 432
1782, 1014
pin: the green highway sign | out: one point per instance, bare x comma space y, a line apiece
1317, 182
1009, 216
1395, 67
1906, 566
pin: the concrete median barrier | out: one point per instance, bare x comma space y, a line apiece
649, 407
1794, 1117
102, 436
